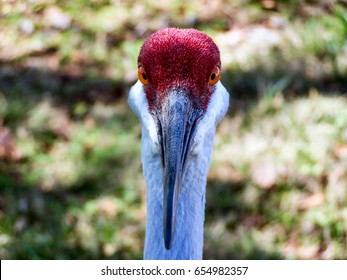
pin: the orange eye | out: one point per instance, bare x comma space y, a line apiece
142, 76
215, 76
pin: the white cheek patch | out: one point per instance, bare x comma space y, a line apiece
138, 103
216, 110
149, 126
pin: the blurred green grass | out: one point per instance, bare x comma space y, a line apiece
71, 184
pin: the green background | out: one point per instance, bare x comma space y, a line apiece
71, 183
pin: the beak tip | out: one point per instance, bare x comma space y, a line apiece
167, 241
167, 245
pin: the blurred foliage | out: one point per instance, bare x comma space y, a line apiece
71, 183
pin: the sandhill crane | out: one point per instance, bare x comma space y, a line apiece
179, 100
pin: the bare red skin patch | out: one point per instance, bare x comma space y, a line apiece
182, 58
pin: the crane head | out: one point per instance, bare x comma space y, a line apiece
179, 70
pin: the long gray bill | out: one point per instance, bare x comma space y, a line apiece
176, 128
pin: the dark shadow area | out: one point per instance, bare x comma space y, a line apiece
246, 88
66, 89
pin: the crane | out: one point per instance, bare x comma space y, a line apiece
179, 100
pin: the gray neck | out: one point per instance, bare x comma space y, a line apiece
188, 237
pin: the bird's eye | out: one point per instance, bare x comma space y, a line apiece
142, 75
215, 76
